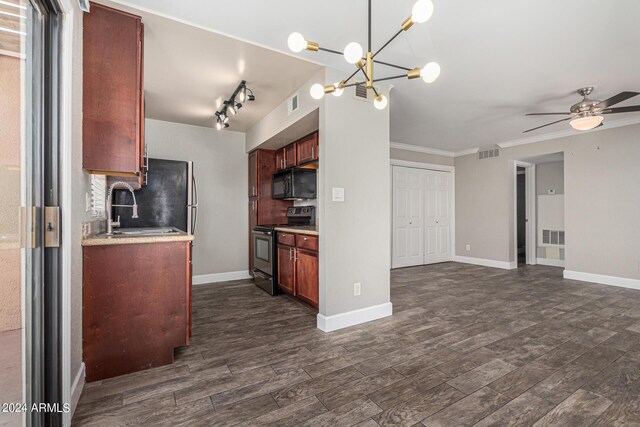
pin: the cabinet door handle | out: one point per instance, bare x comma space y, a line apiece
313, 152
290, 254
295, 254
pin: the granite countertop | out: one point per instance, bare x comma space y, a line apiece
123, 239
310, 230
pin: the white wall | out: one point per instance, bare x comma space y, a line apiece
601, 177
279, 119
549, 176
220, 167
355, 245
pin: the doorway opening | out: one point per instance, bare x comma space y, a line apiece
524, 213
422, 214
521, 215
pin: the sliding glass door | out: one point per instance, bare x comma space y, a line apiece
29, 217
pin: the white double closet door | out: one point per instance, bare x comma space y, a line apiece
422, 216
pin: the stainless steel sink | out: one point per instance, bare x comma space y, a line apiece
144, 232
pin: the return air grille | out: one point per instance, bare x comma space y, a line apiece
362, 92
488, 154
553, 237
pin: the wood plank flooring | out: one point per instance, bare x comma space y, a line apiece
466, 345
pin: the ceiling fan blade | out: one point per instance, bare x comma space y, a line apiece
616, 99
547, 114
548, 124
629, 109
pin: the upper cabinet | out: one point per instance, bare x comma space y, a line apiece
113, 94
298, 153
307, 149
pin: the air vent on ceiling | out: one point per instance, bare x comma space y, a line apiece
292, 104
487, 154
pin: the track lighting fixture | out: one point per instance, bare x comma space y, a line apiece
364, 61
231, 106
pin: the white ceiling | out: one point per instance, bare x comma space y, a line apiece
499, 58
189, 72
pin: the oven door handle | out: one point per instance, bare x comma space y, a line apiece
262, 233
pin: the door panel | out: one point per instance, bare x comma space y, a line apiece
438, 219
307, 276
408, 217
286, 269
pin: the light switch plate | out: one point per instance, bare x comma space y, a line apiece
338, 194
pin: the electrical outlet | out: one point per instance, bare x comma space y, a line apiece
468, 248
337, 194
356, 289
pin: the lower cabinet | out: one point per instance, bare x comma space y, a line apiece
286, 269
307, 274
298, 267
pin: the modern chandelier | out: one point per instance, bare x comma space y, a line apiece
231, 106
353, 53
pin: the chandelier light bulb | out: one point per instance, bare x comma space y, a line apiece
381, 102
338, 90
317, 91
422, 11
296, 42
353, 52
430, 72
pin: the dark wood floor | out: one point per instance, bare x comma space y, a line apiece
467, 345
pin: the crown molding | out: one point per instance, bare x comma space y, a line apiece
567, 132
419, 149
466, 152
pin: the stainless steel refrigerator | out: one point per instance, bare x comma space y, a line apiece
169, 198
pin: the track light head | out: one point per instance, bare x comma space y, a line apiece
230, 107
238, 105
251, 97
242, 94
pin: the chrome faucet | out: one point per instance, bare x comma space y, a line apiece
121, 186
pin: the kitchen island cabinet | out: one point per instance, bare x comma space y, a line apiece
136, 303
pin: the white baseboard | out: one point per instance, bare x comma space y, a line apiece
76, 388
622, 282
355, 317
550, 262
203, 279
505, 265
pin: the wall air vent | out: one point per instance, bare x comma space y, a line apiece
292, 104
361, 93
488, 154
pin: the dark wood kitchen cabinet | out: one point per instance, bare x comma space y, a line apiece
298, 265
113, 94
307, 276
135, 314
286, 269
298, 153
307, 149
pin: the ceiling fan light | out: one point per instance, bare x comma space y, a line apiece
317, 91
430, 72
587, 122
381, 102
353, 52
422, 11
296, 42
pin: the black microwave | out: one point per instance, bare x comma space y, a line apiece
294, 184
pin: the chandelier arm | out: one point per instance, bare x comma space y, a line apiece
387, 43
367, 78
401, 76
324, 49
392, 65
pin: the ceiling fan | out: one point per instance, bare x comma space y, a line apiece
587, 114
